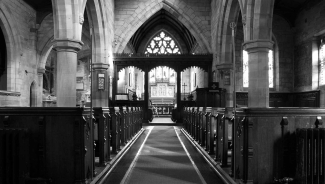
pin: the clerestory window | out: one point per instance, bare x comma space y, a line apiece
162, 43
246, 69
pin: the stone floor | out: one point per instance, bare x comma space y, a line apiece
162, 120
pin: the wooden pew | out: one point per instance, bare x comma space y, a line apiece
115, 121
186, 118
193, 120
139, 119
209, 136
141, 115
102, 116
201, 127
136, 119
265, 142
14, 148
128, 114
60, 143
123, 125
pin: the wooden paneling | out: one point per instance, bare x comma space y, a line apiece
61, 142
285, 99
204, 98
263, 142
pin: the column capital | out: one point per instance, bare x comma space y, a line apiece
67, 45
258, 45
100, 66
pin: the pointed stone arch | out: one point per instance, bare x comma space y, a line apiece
11, 35
258, 20
123, 36
45, 44
68, 19
230, 13
97, 32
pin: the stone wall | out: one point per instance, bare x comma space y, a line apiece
284, 54
83, 81
186, 78
121, 81
310, 21
139, 82
201, 80
17, 20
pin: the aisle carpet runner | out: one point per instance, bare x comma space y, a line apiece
162, 160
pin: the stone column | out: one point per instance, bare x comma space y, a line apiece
100, 85
66, 71
178, 94
258, 63
146, 94
114, 84
40, 72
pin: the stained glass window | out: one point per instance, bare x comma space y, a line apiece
322, 63
162, 44
246, 69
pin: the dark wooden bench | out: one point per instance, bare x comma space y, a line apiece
56, 145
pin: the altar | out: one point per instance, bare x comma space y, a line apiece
162, 96
162, 90
164, 109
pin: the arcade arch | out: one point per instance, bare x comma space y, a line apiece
3, 62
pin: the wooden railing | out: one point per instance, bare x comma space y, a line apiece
259, 145
61, 141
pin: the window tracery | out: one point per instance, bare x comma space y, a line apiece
162, 43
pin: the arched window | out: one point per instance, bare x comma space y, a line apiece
162, 43
322, 63
246, 69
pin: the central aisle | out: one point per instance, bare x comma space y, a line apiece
162, 160
161, 157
